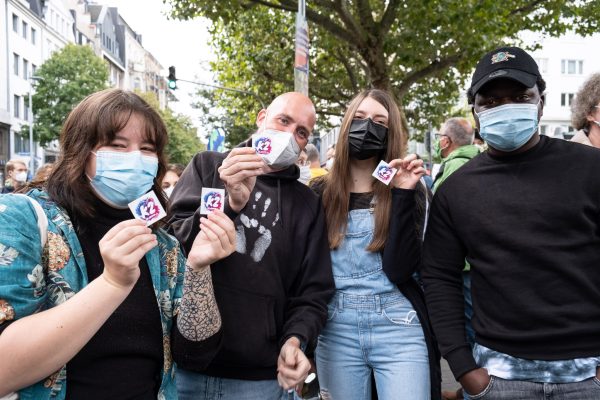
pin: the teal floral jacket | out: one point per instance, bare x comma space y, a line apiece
33, 279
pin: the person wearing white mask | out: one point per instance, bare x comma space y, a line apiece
171, 178
525, 215
16, 176
273, 291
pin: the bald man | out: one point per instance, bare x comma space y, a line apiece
455, 147
273, 291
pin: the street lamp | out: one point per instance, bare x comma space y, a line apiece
30, 121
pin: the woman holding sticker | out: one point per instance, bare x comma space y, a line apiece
89, 295
377, 322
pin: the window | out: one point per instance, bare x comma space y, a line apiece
25, 29
16, 60
25, 109
17, 106
33, 69
566, 99
21, 144
571, 67
542, 65
33, 35
25, 69
15, 23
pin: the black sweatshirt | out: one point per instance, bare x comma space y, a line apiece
278, 282
529, 225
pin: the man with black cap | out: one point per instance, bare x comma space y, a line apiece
526, 218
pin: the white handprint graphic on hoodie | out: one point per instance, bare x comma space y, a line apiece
262, 225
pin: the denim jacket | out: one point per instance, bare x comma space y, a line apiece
33, 279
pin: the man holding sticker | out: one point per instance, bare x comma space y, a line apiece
273, 291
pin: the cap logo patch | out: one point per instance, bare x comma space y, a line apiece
502, 56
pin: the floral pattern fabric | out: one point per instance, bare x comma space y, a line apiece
33, 279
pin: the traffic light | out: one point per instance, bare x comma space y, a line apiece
172, 78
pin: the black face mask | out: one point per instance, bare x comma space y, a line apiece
367, 139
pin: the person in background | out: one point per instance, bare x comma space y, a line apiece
330, 156
171, 178
314, 159
455, 148
377, 321
16, 176
93, 303
585, 112
43, 172
304, 167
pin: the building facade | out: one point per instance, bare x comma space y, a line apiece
565, 63
32, 30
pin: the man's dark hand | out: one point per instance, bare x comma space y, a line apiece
475, 381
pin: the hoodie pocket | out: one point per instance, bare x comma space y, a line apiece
249, 328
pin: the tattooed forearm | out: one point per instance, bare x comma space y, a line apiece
199, 316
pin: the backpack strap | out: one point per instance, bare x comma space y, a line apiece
42, 219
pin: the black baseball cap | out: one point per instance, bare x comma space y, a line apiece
506, 63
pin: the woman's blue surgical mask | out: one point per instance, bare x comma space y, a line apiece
508, 127
123, 177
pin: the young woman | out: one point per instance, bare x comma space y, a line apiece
377, 322
87, 302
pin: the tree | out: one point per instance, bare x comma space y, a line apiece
420, 50
66, 78
183, 139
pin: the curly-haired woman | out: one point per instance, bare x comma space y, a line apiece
585, 112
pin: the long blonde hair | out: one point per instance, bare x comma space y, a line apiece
336, 192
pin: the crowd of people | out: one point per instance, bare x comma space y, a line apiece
310, 268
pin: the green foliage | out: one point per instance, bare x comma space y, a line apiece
421, 50
66, 78
183, 141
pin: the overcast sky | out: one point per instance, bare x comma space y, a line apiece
183, 44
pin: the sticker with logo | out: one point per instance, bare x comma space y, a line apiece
147, 208
384, 172
263, 145
501, 57
211, 200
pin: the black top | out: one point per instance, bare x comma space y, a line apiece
278, 282
124, 359
360, 201
529, 225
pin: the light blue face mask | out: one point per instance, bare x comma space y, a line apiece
508, 127
123, 177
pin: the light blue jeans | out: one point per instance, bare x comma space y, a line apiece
379, 334
195, 386
371, 327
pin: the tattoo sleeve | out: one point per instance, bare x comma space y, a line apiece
199, 316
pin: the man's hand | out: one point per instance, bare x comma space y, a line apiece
216, 240
410, 170
452, 394
238, 173
292, 365
475, 381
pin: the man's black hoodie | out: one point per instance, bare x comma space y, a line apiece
278, 281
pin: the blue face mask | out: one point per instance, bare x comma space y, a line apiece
508, 127
123, 177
